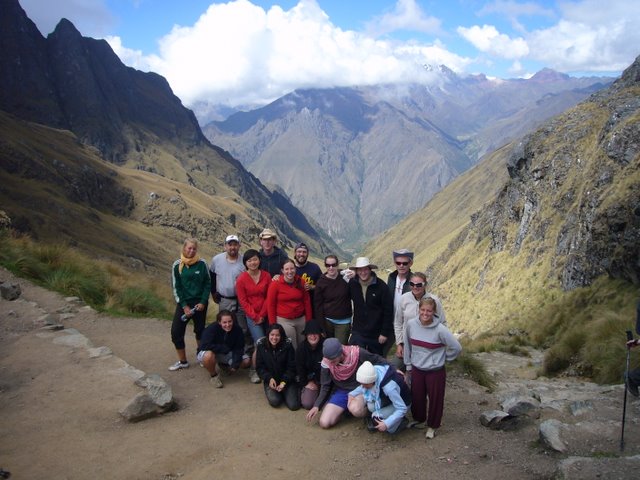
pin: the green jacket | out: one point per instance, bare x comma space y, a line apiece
193, 285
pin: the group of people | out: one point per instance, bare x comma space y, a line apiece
317, 340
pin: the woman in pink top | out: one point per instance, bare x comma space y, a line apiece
251, 288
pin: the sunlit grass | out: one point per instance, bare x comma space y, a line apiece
103, 285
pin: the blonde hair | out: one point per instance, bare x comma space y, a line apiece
189, 240
428, 301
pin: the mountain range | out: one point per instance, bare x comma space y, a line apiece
554, 212
359, 159
124, 125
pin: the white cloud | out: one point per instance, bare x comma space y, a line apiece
513, 10
91, 17
407, 15
239, 54
487, 39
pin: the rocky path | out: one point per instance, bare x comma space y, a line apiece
61, 392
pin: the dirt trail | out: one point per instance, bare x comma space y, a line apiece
59, 411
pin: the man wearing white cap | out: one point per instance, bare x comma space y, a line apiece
372, 308
224, 270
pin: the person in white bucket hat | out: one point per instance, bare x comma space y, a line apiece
372, 307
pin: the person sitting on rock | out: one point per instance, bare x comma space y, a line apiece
222, 347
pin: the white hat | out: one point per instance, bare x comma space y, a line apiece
231, 238
362, 262
366, 373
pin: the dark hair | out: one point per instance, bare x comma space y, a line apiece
249, 254
283, 335
332, 256
226, 313
284, 261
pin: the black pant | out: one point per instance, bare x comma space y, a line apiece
178, 327
290, 395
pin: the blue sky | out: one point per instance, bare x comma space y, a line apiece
247, 53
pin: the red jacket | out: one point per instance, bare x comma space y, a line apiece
288, 300
253, 296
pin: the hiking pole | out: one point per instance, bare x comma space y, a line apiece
626, 387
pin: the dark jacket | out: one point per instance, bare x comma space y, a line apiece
278, 363
271, 263
331, 299
372, 316
391, 281
308, 362
217, 340
328, 383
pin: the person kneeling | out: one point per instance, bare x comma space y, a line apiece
222, 346
276, 367
383, 398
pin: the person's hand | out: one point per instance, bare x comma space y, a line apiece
399, 351
382, 339
381, 426
312, 413
187, 310
272, 384
281, 386
311, 385
200, 307
216, 297
275, 277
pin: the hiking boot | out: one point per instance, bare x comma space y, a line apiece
216, 382
178, 366
632, 388
253, 376
404, 424
431, 432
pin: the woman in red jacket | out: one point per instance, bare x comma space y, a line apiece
288, 303
251, 288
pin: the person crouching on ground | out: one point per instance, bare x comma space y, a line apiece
276, 366
383, 398
428, 344
338, 378
191, 286
308, 359
222, 347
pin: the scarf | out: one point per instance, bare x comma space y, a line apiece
187, 261
345, 369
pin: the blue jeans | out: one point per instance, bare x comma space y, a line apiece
256, 330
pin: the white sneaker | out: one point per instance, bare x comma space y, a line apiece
431, 432
253, 376
178, 366
216, 382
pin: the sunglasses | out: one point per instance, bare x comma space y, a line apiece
331, 265
404, 264
416, 285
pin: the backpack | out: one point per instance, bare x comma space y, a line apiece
405, 391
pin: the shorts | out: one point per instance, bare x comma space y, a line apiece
221, 358
340, 398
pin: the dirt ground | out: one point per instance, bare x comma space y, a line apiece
59, 416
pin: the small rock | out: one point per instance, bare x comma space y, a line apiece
10, 291
66, 316
47, 319
580, 407
100, 352
53, 328
489, 419
550, 435
520, 405
159, 390
72, 300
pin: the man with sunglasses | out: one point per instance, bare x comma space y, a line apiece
398, 282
